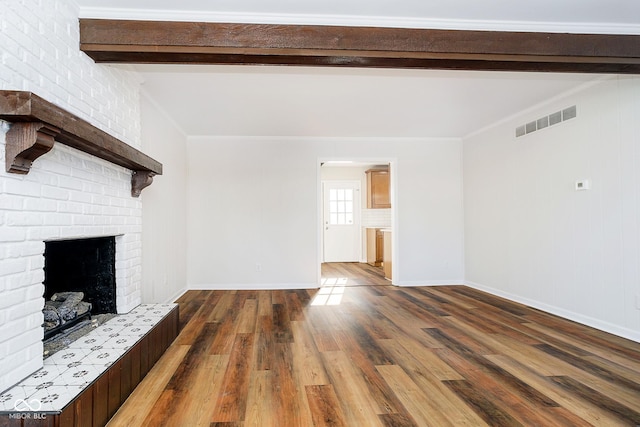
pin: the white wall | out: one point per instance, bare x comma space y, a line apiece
531, 237
67, 194
164, 209
255, 201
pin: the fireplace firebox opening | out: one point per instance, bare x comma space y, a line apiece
79, 281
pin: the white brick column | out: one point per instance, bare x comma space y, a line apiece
67, 194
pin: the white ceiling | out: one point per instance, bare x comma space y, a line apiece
327, 102
349, 102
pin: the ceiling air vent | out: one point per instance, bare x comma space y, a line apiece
546, 121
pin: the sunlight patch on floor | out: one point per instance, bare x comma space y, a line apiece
330, 292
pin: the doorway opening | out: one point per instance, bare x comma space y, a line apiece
355, 197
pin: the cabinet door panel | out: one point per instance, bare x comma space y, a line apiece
374, 247
378, 189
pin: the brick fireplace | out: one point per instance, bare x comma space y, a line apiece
67, 195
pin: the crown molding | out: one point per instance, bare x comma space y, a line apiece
358, 21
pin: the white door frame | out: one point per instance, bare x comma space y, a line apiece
393, 163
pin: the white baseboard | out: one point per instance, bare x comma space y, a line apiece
430, 283
251, 286
567, 314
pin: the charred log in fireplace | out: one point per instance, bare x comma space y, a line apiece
63, 311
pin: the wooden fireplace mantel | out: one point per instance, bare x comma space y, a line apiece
37, 124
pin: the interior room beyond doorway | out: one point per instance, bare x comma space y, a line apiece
356, 205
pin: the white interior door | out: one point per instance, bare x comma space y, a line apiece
341, 221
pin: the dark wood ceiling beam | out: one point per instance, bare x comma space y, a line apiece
121, 41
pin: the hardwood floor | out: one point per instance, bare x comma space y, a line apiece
383, 356
352, 274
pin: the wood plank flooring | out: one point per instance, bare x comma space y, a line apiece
383, 356
352, 274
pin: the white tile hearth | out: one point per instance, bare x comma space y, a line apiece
69, 371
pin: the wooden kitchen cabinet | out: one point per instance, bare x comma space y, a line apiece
375, 245
378, 189
387, 254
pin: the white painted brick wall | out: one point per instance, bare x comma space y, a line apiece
67, 194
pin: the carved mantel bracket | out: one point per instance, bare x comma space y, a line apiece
37, 124
139, 181
25, 143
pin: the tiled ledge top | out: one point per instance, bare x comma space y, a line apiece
66, 373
